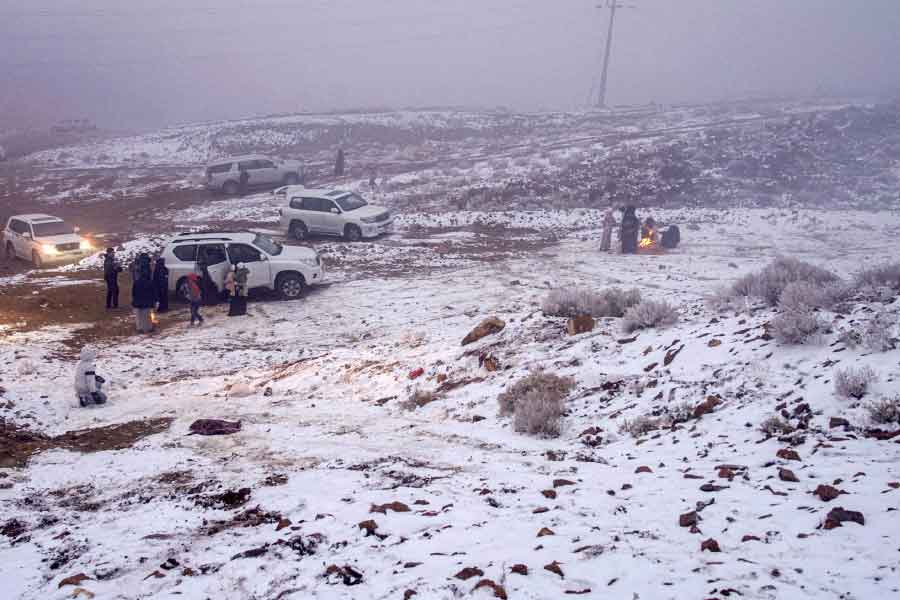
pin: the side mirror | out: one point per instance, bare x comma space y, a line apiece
335, 211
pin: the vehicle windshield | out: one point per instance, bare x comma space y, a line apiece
51, 229
351, 202
267, 245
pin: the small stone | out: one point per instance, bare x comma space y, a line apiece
579, 325
827, 493
557, 483
551, 494
545, 531
839, 515
834, 422
469, 572
643, 469
519, 569
554, 568
689, 519
787, 475
710, 545
788, 454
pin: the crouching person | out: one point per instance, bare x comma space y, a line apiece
87, 383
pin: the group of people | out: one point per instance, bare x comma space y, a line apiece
631, 231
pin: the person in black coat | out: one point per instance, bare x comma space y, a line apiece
111, 270
161, 285
629, 230
143, 299
339, 163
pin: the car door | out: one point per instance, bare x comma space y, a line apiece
14, 234
216, 260
268, 172
311, 214
256, 262
24, 239
332, 220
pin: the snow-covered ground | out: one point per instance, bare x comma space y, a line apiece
320, 387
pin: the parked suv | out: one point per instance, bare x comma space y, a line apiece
285, 269
330, 212
225, 175
44, 239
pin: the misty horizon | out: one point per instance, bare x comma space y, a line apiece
161, 62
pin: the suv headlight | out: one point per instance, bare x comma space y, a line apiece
86, 245
313, 262
49, 250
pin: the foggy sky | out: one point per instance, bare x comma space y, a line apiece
148, 63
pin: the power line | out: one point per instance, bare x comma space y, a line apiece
612, 6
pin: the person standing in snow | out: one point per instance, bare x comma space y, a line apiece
239, 301
111, 270
609, 221
243, 181
195, 296
339, 163
161, 284
87, 383
143, 299
629, 230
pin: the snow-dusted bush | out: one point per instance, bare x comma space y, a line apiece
775, 426
574, 302
418, 399
649, 313
796, 326
536, 402
854, 382
769, 283
681, 412
639, 426
805, 295
879, 333
885, 411
887, 275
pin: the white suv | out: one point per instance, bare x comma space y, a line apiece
330, 212
43, 239
225, 175
284, 269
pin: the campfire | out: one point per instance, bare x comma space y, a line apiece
153, 318
650, 241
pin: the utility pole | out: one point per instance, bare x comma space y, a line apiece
612, 5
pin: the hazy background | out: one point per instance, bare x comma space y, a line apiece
147, 63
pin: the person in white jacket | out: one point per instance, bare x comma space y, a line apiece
87, 382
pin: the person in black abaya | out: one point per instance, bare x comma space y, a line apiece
629, 230
161, 285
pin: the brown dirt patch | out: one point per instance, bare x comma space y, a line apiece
18, 445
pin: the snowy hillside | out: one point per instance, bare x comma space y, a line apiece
703, 459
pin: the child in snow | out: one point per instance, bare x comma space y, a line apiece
87, 382
195, 296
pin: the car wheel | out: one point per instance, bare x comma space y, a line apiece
37, 260
230, 188
290, 286
291, 179
352, 233
298, 230
10, 251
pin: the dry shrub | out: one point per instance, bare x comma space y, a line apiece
854, 382
885, 411
649, 313
418, 399
796, 327
883, 276
640, 425
879, 333
774, 426
771, 281
573, 302
806, 295
536, 403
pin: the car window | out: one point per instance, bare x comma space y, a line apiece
16, 226
186, 253
52, 228
219, 169
351, 202
265, 164
297, 203
242, 253
327, 205
268, 245
212, 254
312, 203
246, 165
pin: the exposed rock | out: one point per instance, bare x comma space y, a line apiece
707, 406
519, 569
252, 553
579, 325
555, 568
839, 515
490, 362
827, 493
713, 343
551, 494
489, 326
834, 422
469, 573
73, 580
370, 526
688, 519
346, 575
709, 487
787, 475
499, 591
282, 524
788, 454
557, 483
545, 531
394, 506
409, 594
214, 427
710, 545
750, 538
643, 469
